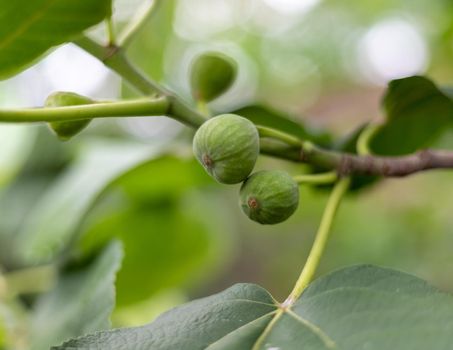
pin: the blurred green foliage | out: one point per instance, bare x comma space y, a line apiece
184, 235
171, 234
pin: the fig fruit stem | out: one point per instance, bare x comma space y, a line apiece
278, 135
363, 142
141, 107
316, 179
319, 244
110, 31
203, 108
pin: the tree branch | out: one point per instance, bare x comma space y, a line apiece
114, 58
142, 107
273, 142
350, 164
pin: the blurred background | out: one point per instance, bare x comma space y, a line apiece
325, 63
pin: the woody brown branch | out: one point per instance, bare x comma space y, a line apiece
350, 164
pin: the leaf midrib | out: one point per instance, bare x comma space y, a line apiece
321, 334
242, 327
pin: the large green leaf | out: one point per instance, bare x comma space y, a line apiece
81, 302
29, 28
363, 307
417, 114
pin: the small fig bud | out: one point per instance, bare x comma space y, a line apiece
211, 75
227, 146
269, 197
66, 129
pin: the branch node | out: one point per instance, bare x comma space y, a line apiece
345, 165
425, 157
110, 51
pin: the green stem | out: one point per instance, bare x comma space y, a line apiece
319, 244
363, 142
278, 135
203, 108
115, 59
110, 31
316, 179
142, 107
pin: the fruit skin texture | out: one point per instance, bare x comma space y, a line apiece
269, 197
211, 75
65, 130
227, 146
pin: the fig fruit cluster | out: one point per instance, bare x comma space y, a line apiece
67, 129
227, 146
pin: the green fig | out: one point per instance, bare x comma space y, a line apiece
227, 146
66, 129
269, 197
211, 75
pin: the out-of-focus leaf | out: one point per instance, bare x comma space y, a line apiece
47, 155
144, 312
447, 90
266, 116
2, 333
170, 238
18, 200
417, 115
15, 144
353, 308
148, 48
16, 203
80, 303
29, 28
56, 215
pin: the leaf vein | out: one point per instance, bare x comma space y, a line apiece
326, 339
243, 326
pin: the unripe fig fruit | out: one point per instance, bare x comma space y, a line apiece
66, 129
227, 146
269, 197
211, 75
